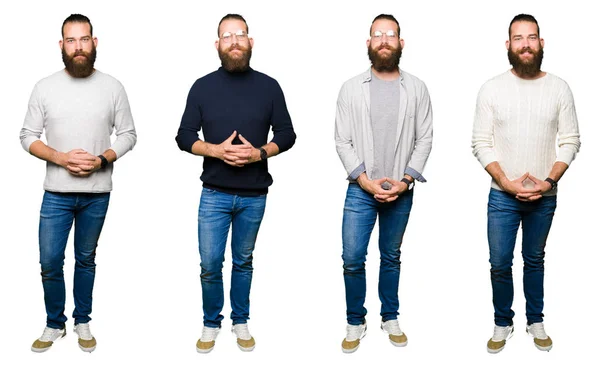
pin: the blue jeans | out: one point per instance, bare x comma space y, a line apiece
360, 214
217, 212
58, 212
505, 214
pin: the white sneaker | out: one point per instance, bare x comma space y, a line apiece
245, 341
86, 341
397, 337
47, 339
354, 333
206, 343
541, 340
498, 341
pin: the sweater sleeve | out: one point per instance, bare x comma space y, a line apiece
33, 126
124, 127
281, 123
568, 129
191, 121
483, 128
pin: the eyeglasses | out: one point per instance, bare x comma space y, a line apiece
378, 35
241, 36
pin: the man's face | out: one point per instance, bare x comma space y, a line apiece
385, 51
78, 49
525, 49
234, 45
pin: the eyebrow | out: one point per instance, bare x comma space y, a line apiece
529, 35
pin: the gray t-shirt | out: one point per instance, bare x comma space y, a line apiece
79, 113
385, 107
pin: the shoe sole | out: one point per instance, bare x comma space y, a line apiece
398, 344
494, 351
249, 349
204, 351
543, 349
42, 350
89, 350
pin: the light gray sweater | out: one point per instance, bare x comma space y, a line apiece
79, 113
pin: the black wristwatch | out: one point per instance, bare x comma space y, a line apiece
263, 154
103, 161
408, 183
552, 183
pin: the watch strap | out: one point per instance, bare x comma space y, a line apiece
408, 182
552, 183
263, 154
103, 161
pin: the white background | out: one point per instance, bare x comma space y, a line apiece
147, 297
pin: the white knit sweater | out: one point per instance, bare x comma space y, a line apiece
517, 121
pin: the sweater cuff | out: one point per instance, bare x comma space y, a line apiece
357, 172
414, 174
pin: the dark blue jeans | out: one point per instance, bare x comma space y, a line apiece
58, 212
505, 214
218, 211
360, 213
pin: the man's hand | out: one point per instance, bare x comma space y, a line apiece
235, 155
373, 187
518, 189
397, 189
81, 163
243, 154
541, 186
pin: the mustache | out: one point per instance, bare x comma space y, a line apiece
526, 49
384, 46
237, 47
81, 53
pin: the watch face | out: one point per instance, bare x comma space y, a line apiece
263, 154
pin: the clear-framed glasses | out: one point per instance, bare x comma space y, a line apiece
241, 36
378, 35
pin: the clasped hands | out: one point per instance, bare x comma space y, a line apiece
80, 163
376, 188
237, 155
521, 192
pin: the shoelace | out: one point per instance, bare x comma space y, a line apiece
242, 332
83, 330
392, 327
209, 334
353, 332
537, 330
501, 332
48, 334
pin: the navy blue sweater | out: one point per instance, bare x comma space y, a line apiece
249, 103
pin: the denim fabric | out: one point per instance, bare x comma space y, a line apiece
505, 214
360, 213
58, 212
217, 212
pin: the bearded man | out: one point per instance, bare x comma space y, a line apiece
383, 135
518, 116
234, 107
78, 107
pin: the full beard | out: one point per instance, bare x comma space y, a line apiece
80, 69
239, 64
385, 64
528, 69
